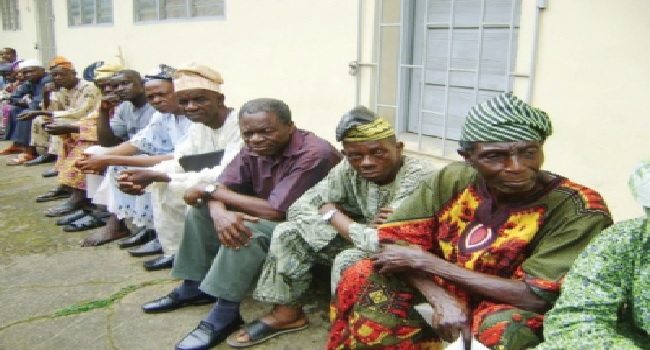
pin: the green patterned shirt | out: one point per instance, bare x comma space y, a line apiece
605, 302
359, 198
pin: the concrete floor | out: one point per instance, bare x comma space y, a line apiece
58, 295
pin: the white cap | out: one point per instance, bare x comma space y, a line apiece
30, 63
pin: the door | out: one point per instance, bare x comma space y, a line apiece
45, 30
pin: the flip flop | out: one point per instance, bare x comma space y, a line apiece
87, 222
259, 332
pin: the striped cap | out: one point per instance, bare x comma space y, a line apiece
505, 118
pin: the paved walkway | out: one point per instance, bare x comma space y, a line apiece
58, 295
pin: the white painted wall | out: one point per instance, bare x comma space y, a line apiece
22, 40
592, 79
294, 50
592, 71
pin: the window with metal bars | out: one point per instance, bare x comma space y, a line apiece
10, 15
160, 10
89, 12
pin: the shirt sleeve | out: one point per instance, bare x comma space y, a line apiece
586, 314
305, 174
153, 138
564, 237
118, 122
83, 105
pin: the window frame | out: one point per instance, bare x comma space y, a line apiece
11, 13
159, 4
96, 22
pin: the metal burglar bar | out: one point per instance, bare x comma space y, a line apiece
452, 55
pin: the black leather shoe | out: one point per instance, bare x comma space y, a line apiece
42, 159
204, 336
139, 238
164, 262
171, 302
50, 173
151, 248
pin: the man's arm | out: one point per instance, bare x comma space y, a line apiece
105, 134
586, 314
396, 258
254, 206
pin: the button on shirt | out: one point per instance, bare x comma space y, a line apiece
281, 180
128, 120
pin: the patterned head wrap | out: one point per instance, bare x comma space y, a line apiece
107, 70
193, 76
640, 183
161, 72
30, 63
62, 62
361, 124
505, 118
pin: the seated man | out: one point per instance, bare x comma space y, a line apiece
81, 136
151, 145
485, 242
27, 97
605, 302
215, 127
340, 212
71, 100
227, 233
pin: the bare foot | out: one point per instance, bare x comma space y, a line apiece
281, 317
115, 229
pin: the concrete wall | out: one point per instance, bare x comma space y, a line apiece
294, 50
592, 79
591, 76
22, 40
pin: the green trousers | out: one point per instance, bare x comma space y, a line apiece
223, 271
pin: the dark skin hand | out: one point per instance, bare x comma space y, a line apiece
229, 221
29, 115
341, 220
61, 129
93, 164
134, 181
449, 318
231, 230
396, 258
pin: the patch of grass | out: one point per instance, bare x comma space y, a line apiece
102, 303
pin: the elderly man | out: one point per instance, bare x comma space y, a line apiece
485, 242
27, 97
228, 232
605, 302
71, 100
151, 145
215, 128
341, 212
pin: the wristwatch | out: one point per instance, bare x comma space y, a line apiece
327, 217
209, 190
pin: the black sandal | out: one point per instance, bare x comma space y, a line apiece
87, 222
